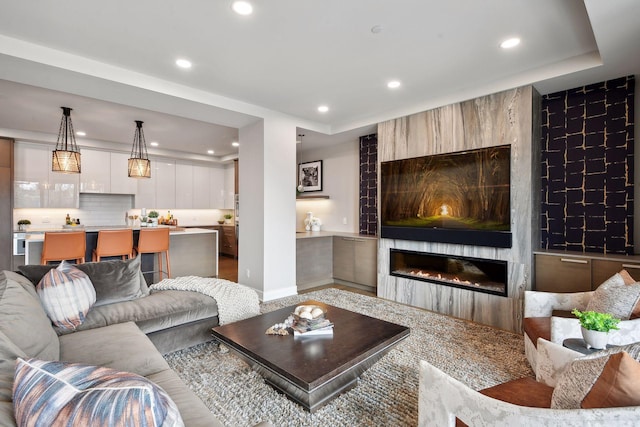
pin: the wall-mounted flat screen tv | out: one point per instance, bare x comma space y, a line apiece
461, 198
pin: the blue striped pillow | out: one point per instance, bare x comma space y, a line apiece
66, 294
72, 394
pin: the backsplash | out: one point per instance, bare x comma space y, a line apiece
111, 209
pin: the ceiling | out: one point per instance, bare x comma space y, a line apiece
113, 62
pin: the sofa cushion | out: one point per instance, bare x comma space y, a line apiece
60, 394
579, 377
537, 327
617, 386
9, 352
66, 294
114, 280
123, 347
159, 310
615, 297
24, 320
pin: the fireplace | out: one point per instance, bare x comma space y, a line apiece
480, 275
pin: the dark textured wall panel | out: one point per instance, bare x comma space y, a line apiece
369, 184
587, 168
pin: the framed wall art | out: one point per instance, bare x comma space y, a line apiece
310, 176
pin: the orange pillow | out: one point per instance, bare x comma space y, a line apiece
618, 385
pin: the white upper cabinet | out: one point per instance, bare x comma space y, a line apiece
119, 179
184, 186
166, 174
201, 187
216, 188
36, 186
96, 172
229, 187
146, 189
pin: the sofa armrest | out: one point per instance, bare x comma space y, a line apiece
542, 304
443, 398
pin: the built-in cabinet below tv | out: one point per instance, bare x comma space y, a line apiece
565, 271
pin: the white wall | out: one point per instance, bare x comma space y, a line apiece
341, 177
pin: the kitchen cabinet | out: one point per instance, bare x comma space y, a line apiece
146, 189
216, 188
36, 186
95, 176
119, 176
355, 260
229, 186
166, 186
227, 240
184, 186
200, 187
559, 271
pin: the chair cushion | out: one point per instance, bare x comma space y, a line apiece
615, 297
66, 294
580, 376
537, 327
24, 321
66, 394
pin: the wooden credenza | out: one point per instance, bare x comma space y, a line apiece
559, 271
227, 240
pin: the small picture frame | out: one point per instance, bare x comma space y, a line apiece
310, 176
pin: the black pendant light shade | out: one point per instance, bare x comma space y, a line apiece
66, 156
139, 163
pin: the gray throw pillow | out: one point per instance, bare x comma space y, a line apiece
116, 281
615, 297
24, 321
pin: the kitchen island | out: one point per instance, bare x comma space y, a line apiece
192, 251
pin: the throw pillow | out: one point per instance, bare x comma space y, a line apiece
628, 280
70, 394
66, 294
581, 374
617, 386
24, 321
117, 280
616, 298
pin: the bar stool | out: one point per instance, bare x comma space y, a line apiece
67, 245
114, 243
155, 240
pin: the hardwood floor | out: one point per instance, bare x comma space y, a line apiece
228, 269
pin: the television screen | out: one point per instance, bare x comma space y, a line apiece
461, 197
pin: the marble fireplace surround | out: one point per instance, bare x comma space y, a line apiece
509, 117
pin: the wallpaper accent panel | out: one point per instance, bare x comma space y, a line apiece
368, 213
587, 168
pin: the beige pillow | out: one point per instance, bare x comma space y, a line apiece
616, 298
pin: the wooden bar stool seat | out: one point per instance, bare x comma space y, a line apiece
155, 240
114, 243
64, 246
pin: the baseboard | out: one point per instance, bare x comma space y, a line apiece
278, 293
315, 284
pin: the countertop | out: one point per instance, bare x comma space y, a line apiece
38, 236
313, 234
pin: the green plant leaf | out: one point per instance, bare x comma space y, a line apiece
595, 321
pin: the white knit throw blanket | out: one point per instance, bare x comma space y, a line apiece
235, 301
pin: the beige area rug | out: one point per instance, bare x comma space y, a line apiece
387, 393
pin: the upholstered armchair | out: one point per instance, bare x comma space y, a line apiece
547, 314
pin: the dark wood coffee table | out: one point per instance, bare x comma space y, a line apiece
312, 370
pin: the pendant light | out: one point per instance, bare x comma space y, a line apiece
66, 156
139, 163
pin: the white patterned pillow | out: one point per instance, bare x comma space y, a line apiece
66, 294
615, 297
71, 394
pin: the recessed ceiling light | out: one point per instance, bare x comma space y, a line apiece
323, 108
183, 63
376, 29
235, 143
80, 133
242, 7
154, 144
393, 84
509, 43
210, 151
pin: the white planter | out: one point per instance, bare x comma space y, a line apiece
315, 228
595, 339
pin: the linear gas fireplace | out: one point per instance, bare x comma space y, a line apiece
481, 275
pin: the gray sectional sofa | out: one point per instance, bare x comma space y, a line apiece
128, 329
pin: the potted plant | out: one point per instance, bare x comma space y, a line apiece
153, 218
595, 327
22, 224
227, 218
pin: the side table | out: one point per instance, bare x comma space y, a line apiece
578, 344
